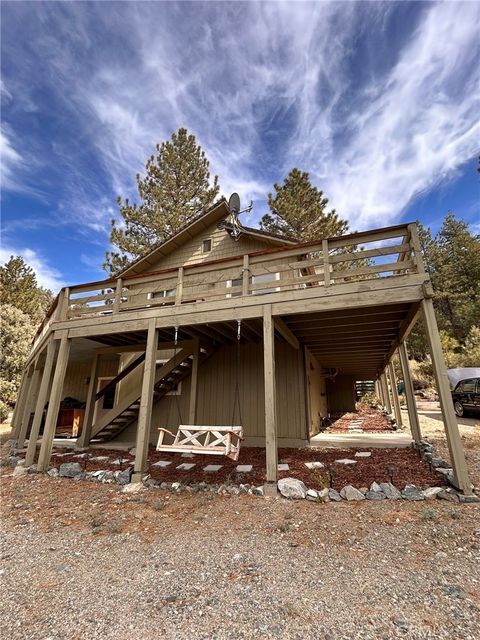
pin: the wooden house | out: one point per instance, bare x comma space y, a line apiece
223, 324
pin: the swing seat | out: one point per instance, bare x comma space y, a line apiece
215, 441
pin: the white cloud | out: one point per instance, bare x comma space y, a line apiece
47, 276
10, 159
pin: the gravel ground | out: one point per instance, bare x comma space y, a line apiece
87, 561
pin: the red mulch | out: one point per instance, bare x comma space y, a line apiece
374, 421
408, 468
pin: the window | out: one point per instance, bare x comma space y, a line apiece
467, 386
264, 277
206, 246
166, 293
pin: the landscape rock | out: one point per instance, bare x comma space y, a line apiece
132, 451
135, 487
334, 495
124, 477
412, 493
376, 487
363, 490
350, 493
258, 491
468, 499
70, 469
323, 495
375, 495
292, 488
450, 496
53, 473
432, 492
440, 463
346, 461
390, 491
19, 471
312, 495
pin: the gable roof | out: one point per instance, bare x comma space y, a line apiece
216, 213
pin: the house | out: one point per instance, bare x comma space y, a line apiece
223, 324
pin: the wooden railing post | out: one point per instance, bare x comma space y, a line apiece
417, 249
118, 296
65, 304
179, 290
245, 276
326, 263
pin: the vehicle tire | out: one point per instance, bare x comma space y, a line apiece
459, 410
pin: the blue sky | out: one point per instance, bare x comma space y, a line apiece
378, 101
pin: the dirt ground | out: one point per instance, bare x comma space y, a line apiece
85, 561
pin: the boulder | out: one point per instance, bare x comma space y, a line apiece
70, 469
412, 493
334, 495
432, 492
350, 493
390, 491
292, 488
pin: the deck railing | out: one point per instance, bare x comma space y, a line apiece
385, 253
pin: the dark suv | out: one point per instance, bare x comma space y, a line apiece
466, 396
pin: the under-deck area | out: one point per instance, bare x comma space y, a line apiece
277, 336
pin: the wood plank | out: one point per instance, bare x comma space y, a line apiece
84, 439
285, 332
410, 396
192, 405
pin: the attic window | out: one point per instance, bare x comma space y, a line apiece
206, 246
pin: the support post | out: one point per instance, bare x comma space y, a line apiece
192, 410
84, 439
179, 290
40, 404
326, 263
29, 405
396, 401
54, 404
270, 395
452, 433
245, 276
411, 405
19, 405
386, 394
118, 295
146, 403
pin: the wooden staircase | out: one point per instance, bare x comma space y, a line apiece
167, 377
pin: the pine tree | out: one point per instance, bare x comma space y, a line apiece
19, 288
175, 189
298, 210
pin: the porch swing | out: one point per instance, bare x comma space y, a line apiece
209, 440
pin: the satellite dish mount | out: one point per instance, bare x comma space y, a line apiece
234, 206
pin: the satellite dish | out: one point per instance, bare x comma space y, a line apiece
234, 203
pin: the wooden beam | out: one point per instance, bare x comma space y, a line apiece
384, 382
146, 404
454, 441
285, 332
29, 407
42, 396
410, 396
270, 395
84, 439
245, 276
54, 404
396, 401
19, 405
192, 409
